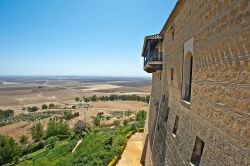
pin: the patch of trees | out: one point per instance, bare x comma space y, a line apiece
24, 117
9, 149
32, 109
69, 115
114, 97
57, 128
6, 114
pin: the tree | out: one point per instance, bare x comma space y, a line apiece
51, 106
73, 107
37, 131
77, 99
44, 106
9, 149
23, 139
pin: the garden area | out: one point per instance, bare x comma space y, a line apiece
53, 144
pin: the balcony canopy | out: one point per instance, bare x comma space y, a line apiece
150, 43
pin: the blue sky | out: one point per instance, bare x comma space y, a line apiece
77, 37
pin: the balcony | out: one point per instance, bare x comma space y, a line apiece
152, 53
153, 62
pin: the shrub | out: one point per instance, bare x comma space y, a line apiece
52, 141
97, 121
73, 107
117, 123
33, 147
23, 139
141, 130
125, 122
128, 113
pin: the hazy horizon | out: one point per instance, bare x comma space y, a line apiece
104, 76
90, 37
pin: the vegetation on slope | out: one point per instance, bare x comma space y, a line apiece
99, 147
55, 144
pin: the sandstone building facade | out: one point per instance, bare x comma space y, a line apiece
200, 101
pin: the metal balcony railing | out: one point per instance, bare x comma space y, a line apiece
154, 56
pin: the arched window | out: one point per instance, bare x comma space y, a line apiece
187, 76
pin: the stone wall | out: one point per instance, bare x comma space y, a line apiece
219, 109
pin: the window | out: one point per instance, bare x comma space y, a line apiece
187, 77
159, 75
167, 113
172, 74
176, 122
197, 152
172, 35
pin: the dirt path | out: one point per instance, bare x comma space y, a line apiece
132, 153
78, 143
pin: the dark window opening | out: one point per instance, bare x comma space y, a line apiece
188, 78
173, 35
163, 98
197, 152
172, 74
167, 113
176, 122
